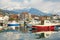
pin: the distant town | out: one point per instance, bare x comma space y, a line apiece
27, 17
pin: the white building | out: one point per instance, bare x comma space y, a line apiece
6, 17
1, 22
55, 16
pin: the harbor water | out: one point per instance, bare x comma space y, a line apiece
18, 35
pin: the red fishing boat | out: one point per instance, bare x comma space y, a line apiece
47, 28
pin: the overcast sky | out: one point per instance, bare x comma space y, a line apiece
43, 5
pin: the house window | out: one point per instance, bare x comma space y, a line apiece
1, 24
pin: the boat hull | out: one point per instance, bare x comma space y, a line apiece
42, 28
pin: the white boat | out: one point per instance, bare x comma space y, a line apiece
13, 24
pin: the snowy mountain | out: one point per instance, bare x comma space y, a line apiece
29, 10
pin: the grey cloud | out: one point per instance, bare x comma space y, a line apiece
52, 0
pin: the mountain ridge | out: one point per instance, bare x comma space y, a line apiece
29, 10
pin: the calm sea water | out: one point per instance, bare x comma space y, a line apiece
18, 35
